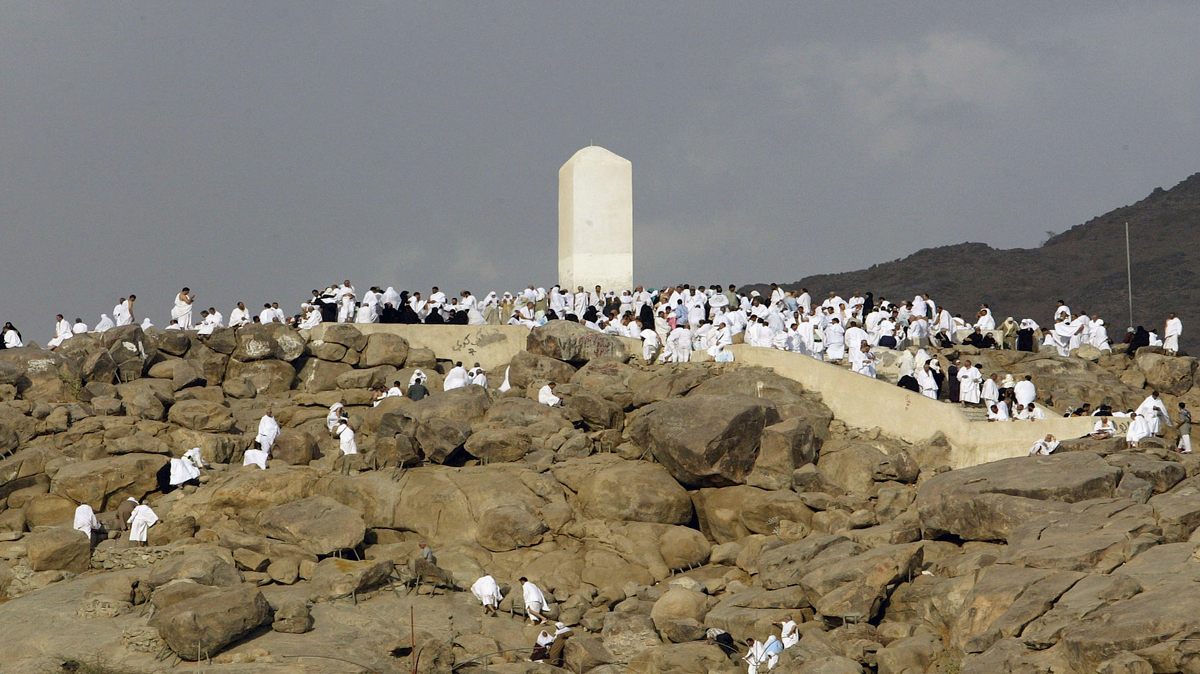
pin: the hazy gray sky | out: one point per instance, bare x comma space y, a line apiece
256, 150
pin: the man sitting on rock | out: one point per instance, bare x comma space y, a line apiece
1104, 429
1139, 428
546, 396
1044, 447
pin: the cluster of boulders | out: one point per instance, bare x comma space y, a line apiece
656, 503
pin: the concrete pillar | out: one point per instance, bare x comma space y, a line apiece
595, 221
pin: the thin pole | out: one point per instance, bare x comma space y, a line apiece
412, 626
1129, 274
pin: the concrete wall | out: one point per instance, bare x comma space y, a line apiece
867, 403
595, 221
492, 346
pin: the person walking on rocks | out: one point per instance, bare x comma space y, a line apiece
336, 415
488, 593
345, 435
535, 601
427, 553
139, 524
86, 522
723, 640
1185, 429
789, 633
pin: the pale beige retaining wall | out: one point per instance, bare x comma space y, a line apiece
492, 346
871, 403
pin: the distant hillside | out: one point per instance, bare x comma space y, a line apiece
1085, 266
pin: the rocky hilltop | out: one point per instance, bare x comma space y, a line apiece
1085, 266
656, 503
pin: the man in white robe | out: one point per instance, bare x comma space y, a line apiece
267, 315
969, 380
123, 312
990, 391
649, 343
478, 376
1171, 334
1153, 410
789, 632
835, 341
182, 311
337, 410
1044, 447
186, 468
488, 593
268, 432
239, 316
79, 327
926, 381
546, 396
62, 332
457, 377
864, 362
535, 601
140, 522
104, 325
1138, 429
1025, 391
984, 319
680, 343
310, 319
86, 522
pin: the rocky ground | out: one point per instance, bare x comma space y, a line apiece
658, 502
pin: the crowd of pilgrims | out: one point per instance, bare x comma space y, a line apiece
674, 322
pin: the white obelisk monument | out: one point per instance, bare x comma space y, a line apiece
595, 221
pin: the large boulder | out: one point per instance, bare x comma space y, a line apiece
986, 502
857, 587
679, 613
508, 528
60, 549
295, 447
498, 445
635, 492
784, 447
318, 375
47, 376
336, 578
526, 368
573, 343
201, 415
1173, 375
268, 377
855, 465
384, 349
103, 483
345, 335
732, 513
205, 565
704, 441
789, 397
440, 423
198, 628
130, 348
318, 524
274, 340
1157, 617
